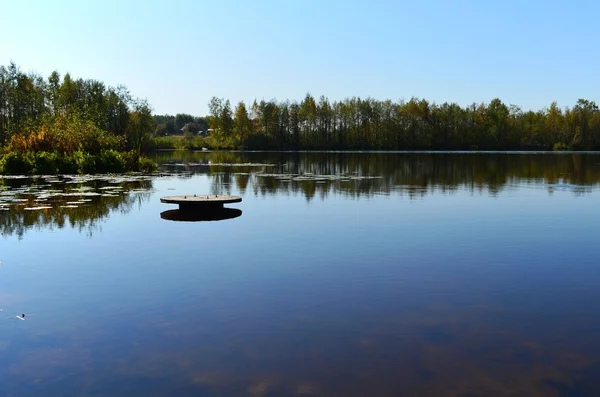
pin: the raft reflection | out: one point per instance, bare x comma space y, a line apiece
185, 216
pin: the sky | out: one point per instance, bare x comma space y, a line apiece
178, 54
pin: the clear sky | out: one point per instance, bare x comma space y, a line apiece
180, 53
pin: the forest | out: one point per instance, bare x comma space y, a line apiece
66, 125
60, 124
416, 124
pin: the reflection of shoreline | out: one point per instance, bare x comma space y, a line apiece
414, 174
220, 215
78, 201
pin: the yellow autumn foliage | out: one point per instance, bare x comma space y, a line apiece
65, 135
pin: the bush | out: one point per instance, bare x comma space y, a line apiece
78, 162
164, 143
67, 164
131, 160
560, 147
146, 165
110, 161
65, 135
17, 163
46, 163
86, 162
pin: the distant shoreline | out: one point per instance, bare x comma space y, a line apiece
350, 151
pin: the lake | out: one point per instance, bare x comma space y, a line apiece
345, 274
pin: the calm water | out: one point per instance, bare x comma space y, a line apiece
344, 275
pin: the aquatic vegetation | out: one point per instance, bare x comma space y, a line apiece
242, 164
42, 163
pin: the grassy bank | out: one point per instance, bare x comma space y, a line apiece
79, 162
179, 142
176, 142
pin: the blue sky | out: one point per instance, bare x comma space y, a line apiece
180, 53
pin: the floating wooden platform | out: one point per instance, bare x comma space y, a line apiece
200, 202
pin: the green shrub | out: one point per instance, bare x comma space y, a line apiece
164, 143
195, 143
66, 164
17, 163
146, 165
560, 147
86, 162
46, 163
130, 160
109, 161
51, 163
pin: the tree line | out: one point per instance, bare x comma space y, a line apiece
416, 124
61, 115
41, 114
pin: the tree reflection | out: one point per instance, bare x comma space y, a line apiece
362, 175
81, 206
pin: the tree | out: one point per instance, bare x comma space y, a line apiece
202, 123
242, 126
54, 92
497, 120
221, 121
581, 115
226, 122
181, 119
140, 125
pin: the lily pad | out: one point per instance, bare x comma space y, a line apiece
83, 194
141, 191
83, 189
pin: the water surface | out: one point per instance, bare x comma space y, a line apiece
358, 274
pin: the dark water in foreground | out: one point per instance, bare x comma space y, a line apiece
344, 275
